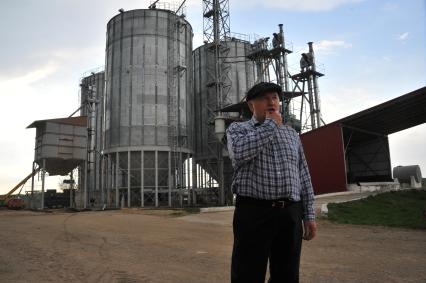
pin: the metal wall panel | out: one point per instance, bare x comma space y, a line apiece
62, 146
324, 153
140, 80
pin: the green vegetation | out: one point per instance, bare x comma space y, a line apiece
405, 209
186, 211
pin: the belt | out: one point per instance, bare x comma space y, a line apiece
278, 203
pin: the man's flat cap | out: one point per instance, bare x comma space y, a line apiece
261, 88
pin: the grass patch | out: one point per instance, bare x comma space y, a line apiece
395, 209
186, 211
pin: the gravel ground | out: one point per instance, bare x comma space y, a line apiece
136, 245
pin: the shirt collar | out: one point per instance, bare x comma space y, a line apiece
254, 122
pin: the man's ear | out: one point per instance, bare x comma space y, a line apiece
250, 105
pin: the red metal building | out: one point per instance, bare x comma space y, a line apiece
356, 148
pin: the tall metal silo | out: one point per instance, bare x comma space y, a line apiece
241, 75
92, 89
147, 107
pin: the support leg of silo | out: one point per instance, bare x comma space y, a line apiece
181, 179
43, 176
32, 187
108, 181
221, 178
102, 181
129, 194
194, 180
142, 185
198, 176
71, 187
117, 197
85, 184
170, 179
156, 178
188, 179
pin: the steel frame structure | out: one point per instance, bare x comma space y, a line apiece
216, 32
274, 57
308, 78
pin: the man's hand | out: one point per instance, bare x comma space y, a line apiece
274, 115
310, 230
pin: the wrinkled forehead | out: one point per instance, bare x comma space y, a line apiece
267, 94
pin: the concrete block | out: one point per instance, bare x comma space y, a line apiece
324, 208
414, 184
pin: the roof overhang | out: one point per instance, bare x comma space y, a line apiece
75, 121
392, 116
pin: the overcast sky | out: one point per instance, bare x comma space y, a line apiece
372, 51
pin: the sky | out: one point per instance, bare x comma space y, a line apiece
371, 51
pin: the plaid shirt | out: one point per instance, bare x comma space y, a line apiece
269, 163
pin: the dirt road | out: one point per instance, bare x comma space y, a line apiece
155, 246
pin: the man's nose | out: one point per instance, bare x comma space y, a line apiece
271, 101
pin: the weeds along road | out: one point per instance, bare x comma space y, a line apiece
156, 246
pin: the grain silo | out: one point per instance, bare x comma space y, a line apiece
92, 88
147, 107
241, 75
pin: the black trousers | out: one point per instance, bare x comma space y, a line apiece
263, 232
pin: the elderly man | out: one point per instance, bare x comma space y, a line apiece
274, 195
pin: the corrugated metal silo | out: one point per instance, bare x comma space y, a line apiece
241, 75
147, 106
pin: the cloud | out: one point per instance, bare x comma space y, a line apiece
330, 46
335, 103
298, 5
30, 77
402, 36
48, 89
323, 47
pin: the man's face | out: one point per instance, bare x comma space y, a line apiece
268, 102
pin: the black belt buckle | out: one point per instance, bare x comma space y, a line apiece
279, 203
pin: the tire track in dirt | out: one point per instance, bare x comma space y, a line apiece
67, 268
101, 269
